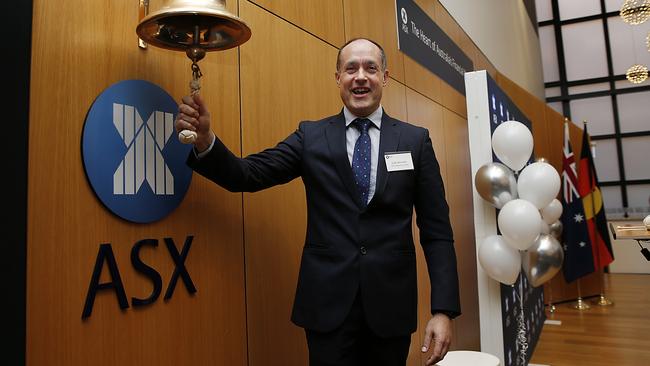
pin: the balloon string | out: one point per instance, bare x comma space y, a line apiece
522, 339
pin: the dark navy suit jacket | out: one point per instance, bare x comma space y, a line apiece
350, 249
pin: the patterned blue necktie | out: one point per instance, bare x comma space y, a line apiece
361, 159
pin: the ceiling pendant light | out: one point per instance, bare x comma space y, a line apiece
637, 74
635, 11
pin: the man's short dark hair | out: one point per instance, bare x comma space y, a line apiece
381, 51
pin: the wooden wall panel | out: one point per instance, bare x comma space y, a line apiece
426, 113
394, 100
415, 75
446, 22
555, 131
79, 49
534, 109
482, 63
474, 53
321, 18
451, 98
422, 80
287, 76
376, 20
448, 133
557, 290
459, 196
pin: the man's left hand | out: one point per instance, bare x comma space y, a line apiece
438, 331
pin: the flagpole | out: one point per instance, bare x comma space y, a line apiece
580, 304
551, 306
602, 300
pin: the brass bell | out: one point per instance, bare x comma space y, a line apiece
196, 27
193, 26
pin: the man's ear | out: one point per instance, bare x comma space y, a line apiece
337, 76
385, 81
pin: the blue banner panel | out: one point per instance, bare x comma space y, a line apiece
423, 41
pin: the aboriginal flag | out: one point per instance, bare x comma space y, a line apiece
592, 201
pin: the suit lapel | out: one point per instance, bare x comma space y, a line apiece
388, 142
335, 134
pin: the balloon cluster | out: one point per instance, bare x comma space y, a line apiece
529, 212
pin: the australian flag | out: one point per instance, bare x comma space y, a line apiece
578, 257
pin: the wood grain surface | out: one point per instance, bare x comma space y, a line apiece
601, 336
245, 255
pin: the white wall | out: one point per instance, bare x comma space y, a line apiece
503, 31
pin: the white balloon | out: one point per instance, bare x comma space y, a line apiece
545, 228
519, 222
646, 222
499, 260
538, 183
512, 143
552, 212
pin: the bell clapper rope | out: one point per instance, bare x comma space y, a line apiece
195, 83
188, 136
195, 54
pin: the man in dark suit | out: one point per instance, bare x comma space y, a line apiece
364, 172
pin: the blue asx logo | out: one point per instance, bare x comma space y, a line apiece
132, 158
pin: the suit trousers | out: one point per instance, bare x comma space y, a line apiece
353, 343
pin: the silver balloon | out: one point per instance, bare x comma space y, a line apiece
496, 183
542, 260
555, 229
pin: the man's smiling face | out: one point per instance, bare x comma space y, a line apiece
361, 77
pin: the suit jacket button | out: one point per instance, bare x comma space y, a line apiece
363, 250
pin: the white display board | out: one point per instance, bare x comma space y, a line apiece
485, 219
505, 312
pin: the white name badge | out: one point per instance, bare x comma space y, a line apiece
396, 161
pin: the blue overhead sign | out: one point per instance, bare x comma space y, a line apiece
423, 41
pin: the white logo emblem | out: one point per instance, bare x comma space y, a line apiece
143, 159
405, 17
